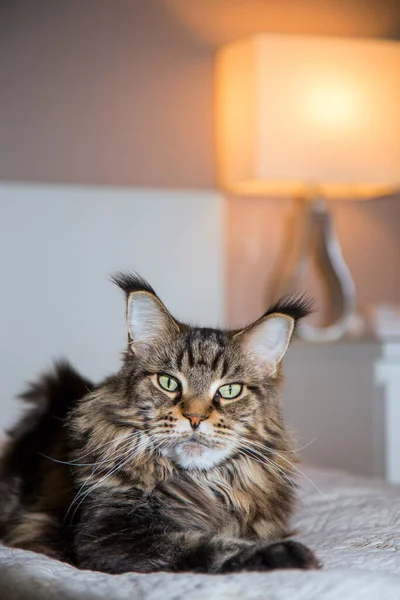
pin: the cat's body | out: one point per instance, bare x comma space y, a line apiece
179, 462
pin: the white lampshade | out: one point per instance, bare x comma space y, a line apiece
295, 112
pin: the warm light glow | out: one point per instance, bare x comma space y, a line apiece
295, 111
331, 104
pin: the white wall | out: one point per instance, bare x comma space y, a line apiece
58, 246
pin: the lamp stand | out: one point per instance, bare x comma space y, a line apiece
317, 243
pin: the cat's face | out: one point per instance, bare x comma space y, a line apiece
204, 395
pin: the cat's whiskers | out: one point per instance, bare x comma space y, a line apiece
113, 440
299, 471
83, 494
260, 449
109, 442
264, 460
127, 456
127, 441
76, 464
142, 445
306, 445
122, 449
95, 466
283, 475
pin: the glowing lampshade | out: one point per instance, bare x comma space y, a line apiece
296, 112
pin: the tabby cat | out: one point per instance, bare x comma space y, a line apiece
179, 462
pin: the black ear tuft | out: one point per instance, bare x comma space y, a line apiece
296, 306
130, 282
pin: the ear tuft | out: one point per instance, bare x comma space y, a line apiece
130, 282
296, 306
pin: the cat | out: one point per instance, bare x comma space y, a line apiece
179, 462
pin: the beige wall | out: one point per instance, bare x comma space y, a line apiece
120, 92
109, 92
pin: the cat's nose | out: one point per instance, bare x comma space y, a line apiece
195, 420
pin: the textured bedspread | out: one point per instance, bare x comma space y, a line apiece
352, 524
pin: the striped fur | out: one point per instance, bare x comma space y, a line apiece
138, 486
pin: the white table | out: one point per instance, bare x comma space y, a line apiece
346, 394
387, 374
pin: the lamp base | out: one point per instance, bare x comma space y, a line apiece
318, 245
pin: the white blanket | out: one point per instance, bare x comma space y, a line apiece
352, 524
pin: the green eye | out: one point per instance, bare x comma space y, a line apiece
168, 383
230, 390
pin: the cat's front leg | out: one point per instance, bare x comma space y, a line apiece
286, 554
121, 539
223, 555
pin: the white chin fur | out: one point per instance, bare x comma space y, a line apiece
196, 456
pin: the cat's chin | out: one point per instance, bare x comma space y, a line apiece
193, 455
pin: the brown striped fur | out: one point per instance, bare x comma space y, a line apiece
120, 498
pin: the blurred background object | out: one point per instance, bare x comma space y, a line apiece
312, 118
107, 161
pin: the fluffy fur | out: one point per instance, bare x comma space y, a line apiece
130, 476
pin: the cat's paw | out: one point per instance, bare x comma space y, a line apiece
279, 555
288, 555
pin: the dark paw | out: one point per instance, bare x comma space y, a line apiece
288, 555
279, 555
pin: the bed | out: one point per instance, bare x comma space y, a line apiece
353, 524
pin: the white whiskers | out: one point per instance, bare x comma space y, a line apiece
295, 468
126, 455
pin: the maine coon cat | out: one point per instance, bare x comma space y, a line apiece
180, 461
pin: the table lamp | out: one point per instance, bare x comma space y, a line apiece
317, 119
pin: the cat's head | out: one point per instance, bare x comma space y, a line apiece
204, 395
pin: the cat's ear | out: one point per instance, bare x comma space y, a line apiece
268, 339
148, 320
